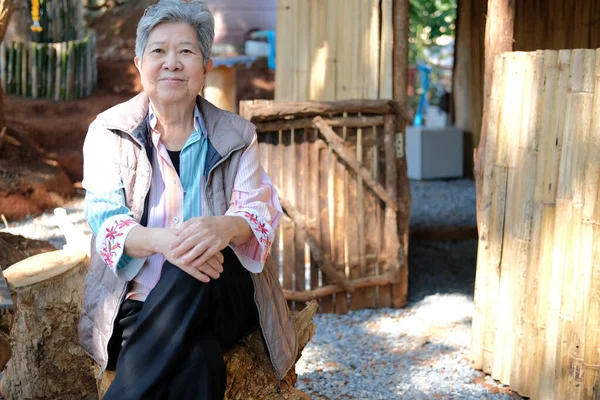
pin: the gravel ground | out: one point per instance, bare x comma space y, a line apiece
420, 352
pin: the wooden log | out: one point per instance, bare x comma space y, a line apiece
323, 291
313, 202
48, 361
337, 144
322, 260
287, 225
281, 109
301, 123
250, 374
371, 236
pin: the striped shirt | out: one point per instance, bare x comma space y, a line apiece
176, 198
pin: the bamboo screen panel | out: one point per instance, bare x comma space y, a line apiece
557, 24
353, 228
334, 50
537, 291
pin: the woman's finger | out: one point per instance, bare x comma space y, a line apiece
194, 272
215, 264
208, 253
207, 269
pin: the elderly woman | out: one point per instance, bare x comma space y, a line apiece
183, 218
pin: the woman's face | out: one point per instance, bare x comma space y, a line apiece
172, 68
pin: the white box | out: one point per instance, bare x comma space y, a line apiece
434, 153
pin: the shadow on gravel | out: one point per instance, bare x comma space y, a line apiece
441, 267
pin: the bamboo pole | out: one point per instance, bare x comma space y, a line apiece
570, 199
483, 339
541, 229
591, 221
385, 62
510, 129
552, 241
526, 274
3, 62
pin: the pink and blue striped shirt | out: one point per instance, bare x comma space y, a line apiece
174, 198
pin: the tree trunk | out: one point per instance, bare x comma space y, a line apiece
499, 32
250, 375
400, 88
48, 362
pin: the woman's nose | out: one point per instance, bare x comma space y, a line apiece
172, 62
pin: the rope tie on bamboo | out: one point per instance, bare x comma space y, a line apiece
35, 16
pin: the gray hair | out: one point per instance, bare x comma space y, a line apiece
195, 13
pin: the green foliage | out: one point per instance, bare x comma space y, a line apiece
429, 21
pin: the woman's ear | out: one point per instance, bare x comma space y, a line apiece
208, 67
138, 63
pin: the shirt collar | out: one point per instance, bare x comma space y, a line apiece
199, 124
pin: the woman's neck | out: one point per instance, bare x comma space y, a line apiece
175, 123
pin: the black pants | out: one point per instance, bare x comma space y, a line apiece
172, 344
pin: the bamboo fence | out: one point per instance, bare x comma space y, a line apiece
57, 71
320, 58
334, 165
537, 290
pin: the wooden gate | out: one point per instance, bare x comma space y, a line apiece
334, 166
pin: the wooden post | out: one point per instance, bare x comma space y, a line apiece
6, 10
400, 69
220, 88
498, 39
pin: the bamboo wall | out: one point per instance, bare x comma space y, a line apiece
57, 71
334, 50
337, 242
537, 290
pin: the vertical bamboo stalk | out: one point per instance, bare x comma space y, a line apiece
339, 229
370, 205
303, 51
287, 225
371, 50
385, 62
553, 241
570, 199
70, 66
313, 201
11, 69
49, 70
326, 211
505, 173
283, 50
483, 331
353, 261
275, 174
34, 70
537, 308
58, 72
3, 62
300, 179
591, 219
526, 276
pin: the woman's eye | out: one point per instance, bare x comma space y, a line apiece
158, 51
187, 51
